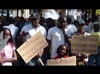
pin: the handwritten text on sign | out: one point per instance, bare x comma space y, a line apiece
81, 44
33, 46
70, 61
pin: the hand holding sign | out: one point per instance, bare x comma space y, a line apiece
3, 41
32, 47
38, 56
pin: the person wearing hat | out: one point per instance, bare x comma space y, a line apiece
81, 31
31, 29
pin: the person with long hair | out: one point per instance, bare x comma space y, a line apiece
8, 53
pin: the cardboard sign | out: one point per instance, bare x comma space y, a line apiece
81, 44
34, 45
70, 61
3, 41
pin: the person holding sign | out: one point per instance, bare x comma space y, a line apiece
8, 53
95, 57
62, 58
30, 30
81, 31
62, 52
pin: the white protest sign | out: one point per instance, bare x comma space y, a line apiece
3, 41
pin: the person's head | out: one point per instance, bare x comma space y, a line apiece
81, 27
62, 50
62, 23
90, 19
17, 18
87, 22
22, 19
12, 20
69, 20
50, 22
42, 21
94, 19
2, 21
96, 27
35, 19
76, 23
6, 33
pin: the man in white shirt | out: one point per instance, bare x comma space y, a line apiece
71, 27
55, 37
31, 29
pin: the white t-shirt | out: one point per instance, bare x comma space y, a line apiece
86, 28
29, 28
57, 38
90, 26
71, 29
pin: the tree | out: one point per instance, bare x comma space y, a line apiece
61, 12
93, 13
8, 15
2, 13
22, 12
17, 11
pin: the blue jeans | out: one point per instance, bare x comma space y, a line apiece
34, 62
94, 58
44, 58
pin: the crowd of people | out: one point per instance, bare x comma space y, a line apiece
58, 35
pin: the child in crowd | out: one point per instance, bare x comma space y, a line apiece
8, 53
62, 52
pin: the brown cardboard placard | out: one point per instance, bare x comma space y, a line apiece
34, 45
81, 44
70, 61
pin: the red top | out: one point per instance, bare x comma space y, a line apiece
57, 57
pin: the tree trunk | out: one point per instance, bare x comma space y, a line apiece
8, 13
30, 11
94, 13
85, 19
2, 13
40, 12
22, 12
17, 11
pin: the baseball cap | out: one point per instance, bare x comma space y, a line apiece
81, 22
35, 15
